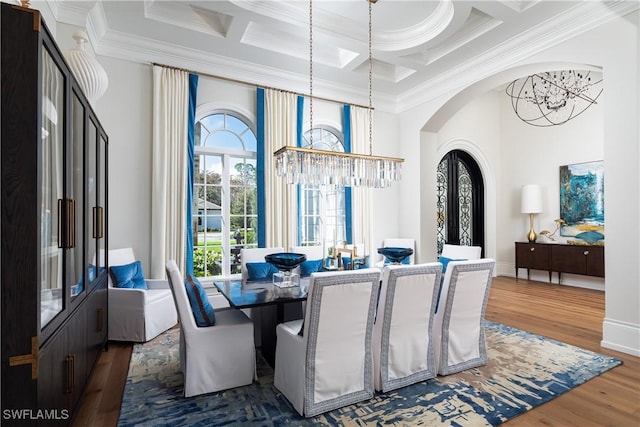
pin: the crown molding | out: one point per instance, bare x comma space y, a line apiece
105, 41
578, 20
141, 50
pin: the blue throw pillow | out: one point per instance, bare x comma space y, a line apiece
128, 276
310, 266
200, 305
261, 270
445, 262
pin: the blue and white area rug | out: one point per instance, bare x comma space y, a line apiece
524, 371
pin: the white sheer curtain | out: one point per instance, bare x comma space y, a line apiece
280, 130
361, 197
168, 168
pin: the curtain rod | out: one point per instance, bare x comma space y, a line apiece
229, 79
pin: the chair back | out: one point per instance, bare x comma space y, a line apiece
254, 255
403, 348
338, 331
179, 292
312, 252
458, 329
461, 252
401, 243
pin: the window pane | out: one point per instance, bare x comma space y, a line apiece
322, 211
214, 198
213, 122
213, 167
198, 169
250, 142
225, 139
225, 188
237, 200
235, 125
198, 194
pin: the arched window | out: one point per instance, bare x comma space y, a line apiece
460, 203
224, 193
322, 208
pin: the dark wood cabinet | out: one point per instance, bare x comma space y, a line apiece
53, 180
532, 256
586, 260
578, 259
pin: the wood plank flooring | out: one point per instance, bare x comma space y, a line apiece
571, 315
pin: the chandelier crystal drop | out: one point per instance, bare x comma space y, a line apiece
554, 97
309, 166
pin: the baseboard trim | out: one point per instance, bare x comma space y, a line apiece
621, 336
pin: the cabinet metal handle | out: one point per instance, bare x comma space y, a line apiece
100, 319
66, 223
72, 223
73, 373
98, 222
532, 249
101, 213
586, 252
60, 224
68, 362
26, 359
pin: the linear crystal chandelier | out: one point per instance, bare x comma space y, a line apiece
555, 97
310, 166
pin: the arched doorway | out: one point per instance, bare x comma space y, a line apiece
460, 201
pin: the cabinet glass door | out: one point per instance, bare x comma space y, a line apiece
52, 227
75, 188
102, 200
93, 257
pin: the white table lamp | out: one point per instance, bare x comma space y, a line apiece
531, 204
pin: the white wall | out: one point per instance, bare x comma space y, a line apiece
607, 131
533, 155
125, 112
476, 130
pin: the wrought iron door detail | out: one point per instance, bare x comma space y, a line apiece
460, 201
441, 211
465, 197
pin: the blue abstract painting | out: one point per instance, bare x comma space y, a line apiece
582, 199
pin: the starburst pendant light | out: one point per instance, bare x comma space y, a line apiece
309, 166
553, 98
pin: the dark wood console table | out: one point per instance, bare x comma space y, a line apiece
586, 260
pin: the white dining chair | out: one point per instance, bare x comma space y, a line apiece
326, 362
458, 330
212, 358
461, 252
403, 348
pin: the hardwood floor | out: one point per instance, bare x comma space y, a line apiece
571, 315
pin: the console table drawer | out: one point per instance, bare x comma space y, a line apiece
532, 255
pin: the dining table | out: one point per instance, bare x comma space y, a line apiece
273, 305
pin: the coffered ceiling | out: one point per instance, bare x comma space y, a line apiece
420, 48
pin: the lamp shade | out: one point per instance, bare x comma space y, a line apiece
531, 199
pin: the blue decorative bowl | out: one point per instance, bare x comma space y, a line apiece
395, 255
285, 261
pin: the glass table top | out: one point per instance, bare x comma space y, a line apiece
245, 294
